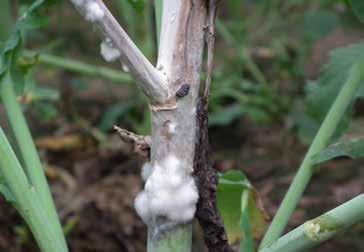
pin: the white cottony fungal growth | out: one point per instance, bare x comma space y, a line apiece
170, 191
172, 128
93, 11
108, 51
146, 170
78, 2
125, 67
142, 207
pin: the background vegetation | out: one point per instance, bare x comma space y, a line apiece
267, 103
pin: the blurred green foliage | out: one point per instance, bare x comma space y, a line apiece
358, 8
321, 94
259, 71
353, 149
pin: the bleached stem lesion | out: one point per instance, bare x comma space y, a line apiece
152, 82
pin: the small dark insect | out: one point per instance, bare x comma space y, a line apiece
183, 90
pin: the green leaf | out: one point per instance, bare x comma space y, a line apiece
10, 51
4, 190
352, 149
358, 8
240, 208
321, 94
247, 244
319, 23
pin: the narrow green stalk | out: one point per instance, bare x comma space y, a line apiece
27, 200
178, 239
321, 140
158, 6
33, 167
320, 229
6, 22
81, 68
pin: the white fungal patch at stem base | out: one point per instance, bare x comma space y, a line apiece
93, 11
147, 169
108, 51
170, 192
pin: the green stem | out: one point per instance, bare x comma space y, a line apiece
81, 68
33, 167
320, 229
178, 239
27, 200
321, 140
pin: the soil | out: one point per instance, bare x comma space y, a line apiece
94, 188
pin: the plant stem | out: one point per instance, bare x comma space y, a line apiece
320, 229
33, 167
176, 240
82, 68
27, 200
321, 140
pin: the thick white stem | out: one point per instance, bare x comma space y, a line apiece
180, 57
170, 19
173, 137
151, 81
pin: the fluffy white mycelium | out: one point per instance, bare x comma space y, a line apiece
108, 51
78, 2
172, 128
170, 191
93, 11
146, 171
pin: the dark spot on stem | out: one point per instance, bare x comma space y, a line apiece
183, 90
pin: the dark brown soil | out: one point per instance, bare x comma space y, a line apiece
94, 188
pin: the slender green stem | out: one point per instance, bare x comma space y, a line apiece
321, 140
320, 229
6, 21
82, 68
33, 167
178, 239
158, 6
27, 200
